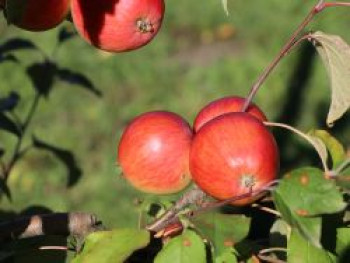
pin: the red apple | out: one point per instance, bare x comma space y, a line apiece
118, 25
233, 154
36, 15
154, 152
222, 106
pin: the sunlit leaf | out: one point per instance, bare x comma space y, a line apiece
335, 54
112, 246
227, 256
302, 251
65, 156
334, 147
222, 230
186, 248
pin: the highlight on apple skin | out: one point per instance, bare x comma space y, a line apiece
222, 106
118, 25
153, 152
36, 15
232, 155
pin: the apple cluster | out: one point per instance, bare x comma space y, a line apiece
110, 25
227, 153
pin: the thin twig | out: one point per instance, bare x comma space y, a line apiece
267, 209
53, 248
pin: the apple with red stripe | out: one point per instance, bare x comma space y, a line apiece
118, 25
36, 15
222, 106
154, 150
233, 154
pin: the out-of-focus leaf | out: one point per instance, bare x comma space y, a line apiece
224, 5
223, 230
343, 244
78, 79
186, 248
303, 193
4, 189
66, 33
10, 102
112, 246
335, 54
2, 152
15, 44
300, 250
42, 76
343, 179
8, 125
65, 156
8, 58
334, 147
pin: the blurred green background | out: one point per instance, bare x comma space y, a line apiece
199, 55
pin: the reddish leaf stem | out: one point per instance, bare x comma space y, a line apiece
293, 40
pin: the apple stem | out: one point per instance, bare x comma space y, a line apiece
267, 209
293, 41
303, 135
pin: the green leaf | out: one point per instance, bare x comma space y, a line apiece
320, 147
279, 233
343, 244
227, 257
335, 54
301, 251
334, 147
186, 248
112, 246
222, 230
307, 192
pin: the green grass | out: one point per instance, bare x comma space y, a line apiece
183, 68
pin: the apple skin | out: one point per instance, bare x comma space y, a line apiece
36, 15
230, 152
118, 25
222, 106
154, 150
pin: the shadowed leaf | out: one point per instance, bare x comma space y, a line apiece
112, 246
8, 125
10, 102
66, 33
335, 54
78, 79
42, 76
66, 157
15, 44
8, 58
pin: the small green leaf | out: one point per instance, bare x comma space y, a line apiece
301, 251
112, 246
223, 230
186, 248
334, 147
343, 244
227, 257
335, 54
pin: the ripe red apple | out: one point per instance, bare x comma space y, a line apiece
233, 154
154, 152
118, 25
36, 15
222, 106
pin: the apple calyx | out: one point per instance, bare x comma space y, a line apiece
144, 25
